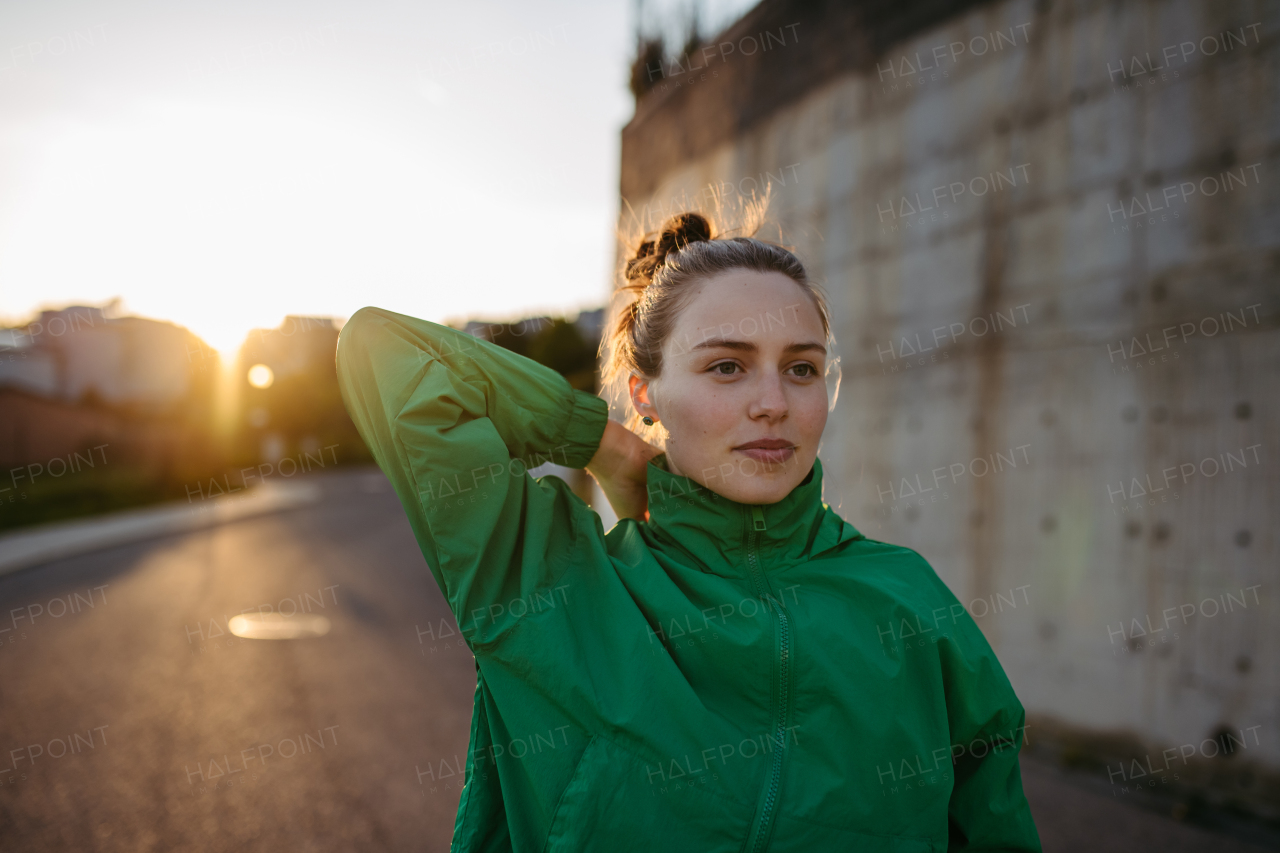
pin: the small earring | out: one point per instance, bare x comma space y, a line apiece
648, 421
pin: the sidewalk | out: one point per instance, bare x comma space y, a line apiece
27, 548
1074, 811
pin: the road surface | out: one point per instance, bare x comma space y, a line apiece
132, 720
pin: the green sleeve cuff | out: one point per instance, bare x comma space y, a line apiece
582, 434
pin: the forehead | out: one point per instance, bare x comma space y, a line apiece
760, 307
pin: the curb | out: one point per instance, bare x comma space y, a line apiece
25, 549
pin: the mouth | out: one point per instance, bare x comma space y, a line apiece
771, 451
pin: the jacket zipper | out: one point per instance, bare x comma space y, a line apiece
784, 684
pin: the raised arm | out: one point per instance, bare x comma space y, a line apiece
620, 465
455, 422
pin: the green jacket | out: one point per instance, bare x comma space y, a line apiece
722, 678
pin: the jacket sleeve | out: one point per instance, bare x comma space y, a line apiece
988, 810
455, 422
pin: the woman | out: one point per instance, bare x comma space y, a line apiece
732, 667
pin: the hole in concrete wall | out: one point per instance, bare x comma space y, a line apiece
1229, 741
1132, 529
1243, 538
1130, 414
1159, 414
1048, 524
1243, 663
1161, 532
1243, 411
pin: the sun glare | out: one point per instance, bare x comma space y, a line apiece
226, 218
220, 219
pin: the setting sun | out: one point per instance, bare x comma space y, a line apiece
227, 218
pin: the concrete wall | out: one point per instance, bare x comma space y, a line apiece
1055, 286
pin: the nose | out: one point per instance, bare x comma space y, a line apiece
769, 403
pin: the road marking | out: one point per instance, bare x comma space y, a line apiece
278, 626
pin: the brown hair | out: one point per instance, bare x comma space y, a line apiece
657, 283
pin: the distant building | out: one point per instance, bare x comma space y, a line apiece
76, 378
300, 409
25, 367
79, 353
297, 345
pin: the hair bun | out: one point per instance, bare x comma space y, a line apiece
677, 232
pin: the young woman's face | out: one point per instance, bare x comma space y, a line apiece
742, 394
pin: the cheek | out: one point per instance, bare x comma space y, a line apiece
699, 415
695, 414
811, 413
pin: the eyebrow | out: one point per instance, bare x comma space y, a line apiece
748, 346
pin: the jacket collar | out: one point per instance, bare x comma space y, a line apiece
717, 532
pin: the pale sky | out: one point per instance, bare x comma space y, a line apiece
222, 164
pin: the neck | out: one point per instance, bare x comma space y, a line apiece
717, 531
788, 468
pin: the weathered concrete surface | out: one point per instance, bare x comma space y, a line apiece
1064, 461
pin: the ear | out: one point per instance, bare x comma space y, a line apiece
638, 388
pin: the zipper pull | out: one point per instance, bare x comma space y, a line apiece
757, 516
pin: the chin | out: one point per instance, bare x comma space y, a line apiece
762, 496
759, 490
750, 482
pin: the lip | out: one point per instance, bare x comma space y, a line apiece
766, 444
772, 451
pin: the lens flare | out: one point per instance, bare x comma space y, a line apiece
261, 376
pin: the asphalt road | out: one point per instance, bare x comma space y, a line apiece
141, 723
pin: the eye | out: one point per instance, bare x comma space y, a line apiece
804, 370
725, 368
